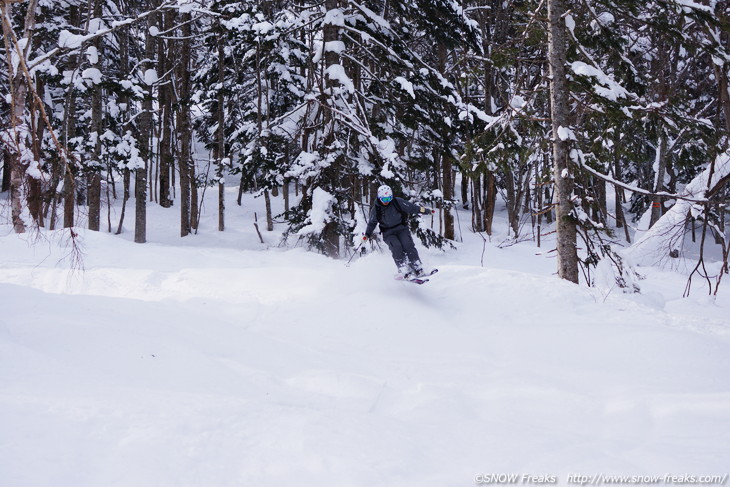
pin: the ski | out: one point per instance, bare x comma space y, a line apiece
419, 279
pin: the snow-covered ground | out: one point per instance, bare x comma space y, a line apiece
217, 361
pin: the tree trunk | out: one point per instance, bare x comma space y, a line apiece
269, 216
167, 50
140, 194
446, 163
194, 205
184, 126
448, 188
566, 226
69, 180
285, 191
19, 91
194, 210
35, 186
94, 182
35, 189
221, 207
538, 205
724, 94
490, 201
221, 136
620, 215
95, 200
70, 189
241, 187
17, 175
124, 99
145, 131
6, 170
477, 216
513, 202
69, 199
660, 167
619, 194
331, 175
464, 190
600, 206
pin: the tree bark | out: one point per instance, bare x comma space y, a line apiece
724, 94
35, 194
512, 202
285, 191
94, 182
331, 175
184, 126
167, 56
620, 215
70, 189
145, 131
464, 190
269, 216
124, 99
494, 22
566, 226
448, 188
140, 195
446, 163
194, 210
194, 204
221, 136
36, 197
660, 163
18, 129
6, 169
477, 215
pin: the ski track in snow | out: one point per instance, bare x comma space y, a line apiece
162, 365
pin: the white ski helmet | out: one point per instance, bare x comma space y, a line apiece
385, 194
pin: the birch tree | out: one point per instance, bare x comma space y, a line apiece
17, 137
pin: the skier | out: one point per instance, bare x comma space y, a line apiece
392, 215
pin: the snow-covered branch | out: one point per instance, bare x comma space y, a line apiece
687, 195
68, 42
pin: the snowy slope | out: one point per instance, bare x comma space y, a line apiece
206, 362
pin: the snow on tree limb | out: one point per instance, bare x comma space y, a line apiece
322, 203
635, 189
68, 42
605, 85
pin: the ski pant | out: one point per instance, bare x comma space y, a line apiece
402, 247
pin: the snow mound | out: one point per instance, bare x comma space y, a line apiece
195, 365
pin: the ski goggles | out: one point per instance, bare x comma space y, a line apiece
386, 199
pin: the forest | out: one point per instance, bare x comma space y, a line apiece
582, 118
188, 299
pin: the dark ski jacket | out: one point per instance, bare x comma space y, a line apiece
390, 216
